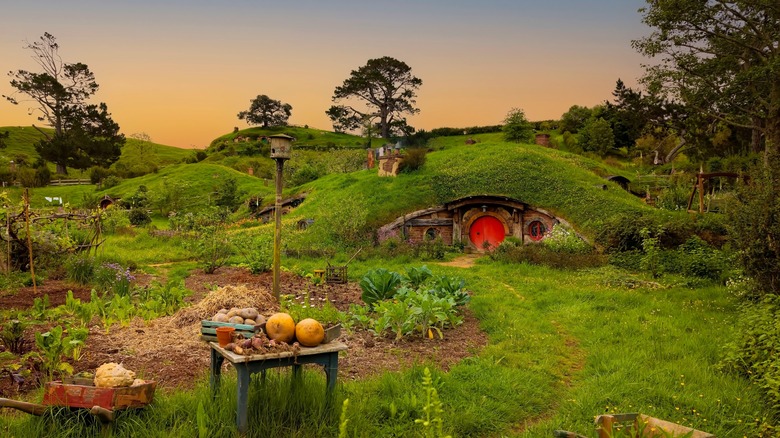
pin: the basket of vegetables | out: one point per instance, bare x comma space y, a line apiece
246, 321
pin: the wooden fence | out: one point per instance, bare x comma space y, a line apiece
69, 182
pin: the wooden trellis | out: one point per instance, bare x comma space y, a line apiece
19, 246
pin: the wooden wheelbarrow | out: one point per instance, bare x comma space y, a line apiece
636, 425
101, 402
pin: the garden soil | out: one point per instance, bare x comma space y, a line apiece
170, 351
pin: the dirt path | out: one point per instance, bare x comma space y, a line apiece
464, 261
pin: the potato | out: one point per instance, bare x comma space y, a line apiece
249, 321
260, 320
249, 313
220, 317
236, 320
233, 312
223, 311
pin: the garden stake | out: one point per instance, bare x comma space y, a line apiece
29, 242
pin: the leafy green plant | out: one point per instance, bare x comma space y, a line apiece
452, 288
343, 420
415, 277
12, 336
359, 316
651, 260
52, 346
379, 284
396, 316
115, 278
40, 307
431, 422
429, 313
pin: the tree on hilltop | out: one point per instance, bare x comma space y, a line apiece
266, 112
516, 127
383, 91
84, 134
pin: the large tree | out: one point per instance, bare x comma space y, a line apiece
266, 112
720, 58
574, 119
84, 134
383, 90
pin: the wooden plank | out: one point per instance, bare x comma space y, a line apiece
433, 222
653, 424
215, 324
305, 351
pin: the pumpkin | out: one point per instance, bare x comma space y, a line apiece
309, 332
280, 327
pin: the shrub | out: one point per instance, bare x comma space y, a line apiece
754, 353
540, 255
81, 268
111, 181
211, 247
26, 177
6, 176
42, 175
755, 227
98, 174
139, 217
414, 159
563, 239
114, 219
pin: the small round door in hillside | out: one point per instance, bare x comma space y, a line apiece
485, 231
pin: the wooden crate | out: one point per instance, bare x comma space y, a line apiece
649, 427
87, 396
208, 329
336, 274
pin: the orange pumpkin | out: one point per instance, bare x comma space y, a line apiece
280, 327
309, 333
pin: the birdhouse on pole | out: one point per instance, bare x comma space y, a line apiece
281, 146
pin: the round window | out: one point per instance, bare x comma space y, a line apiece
536, 230
431, 234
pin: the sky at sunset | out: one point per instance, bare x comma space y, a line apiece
180, 70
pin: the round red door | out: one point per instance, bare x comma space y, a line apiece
486, 230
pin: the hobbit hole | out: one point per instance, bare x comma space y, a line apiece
478, 222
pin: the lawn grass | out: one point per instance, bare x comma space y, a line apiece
564, 346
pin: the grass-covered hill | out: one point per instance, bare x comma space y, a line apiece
306, 138
570, 186
21, 142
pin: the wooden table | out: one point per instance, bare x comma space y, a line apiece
326, 355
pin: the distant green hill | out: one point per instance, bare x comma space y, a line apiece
306, 138
22, 141
194, 183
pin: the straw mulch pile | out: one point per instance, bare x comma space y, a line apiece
227, 297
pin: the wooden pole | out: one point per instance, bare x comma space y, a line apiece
278, 227
29, 240
8, 232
